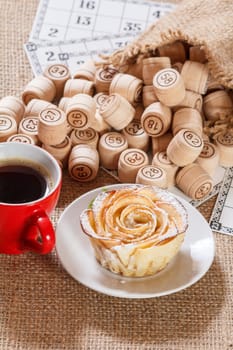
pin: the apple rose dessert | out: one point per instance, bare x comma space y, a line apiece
135, 230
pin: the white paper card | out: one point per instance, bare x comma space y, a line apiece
73, 19
222, 216
73, 53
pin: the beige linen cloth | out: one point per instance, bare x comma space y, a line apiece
42, 307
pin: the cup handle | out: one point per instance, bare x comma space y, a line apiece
39, 235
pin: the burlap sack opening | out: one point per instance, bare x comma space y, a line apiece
206, 23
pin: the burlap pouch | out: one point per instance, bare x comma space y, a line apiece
206, 23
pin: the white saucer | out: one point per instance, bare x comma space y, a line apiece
77, 256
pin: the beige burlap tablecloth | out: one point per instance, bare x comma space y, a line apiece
42, 307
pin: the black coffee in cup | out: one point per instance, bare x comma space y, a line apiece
21, 184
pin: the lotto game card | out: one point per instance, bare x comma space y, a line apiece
222, 216
58, 20
72, 53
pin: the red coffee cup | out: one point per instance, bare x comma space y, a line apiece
30, 184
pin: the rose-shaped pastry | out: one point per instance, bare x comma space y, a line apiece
135, 230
